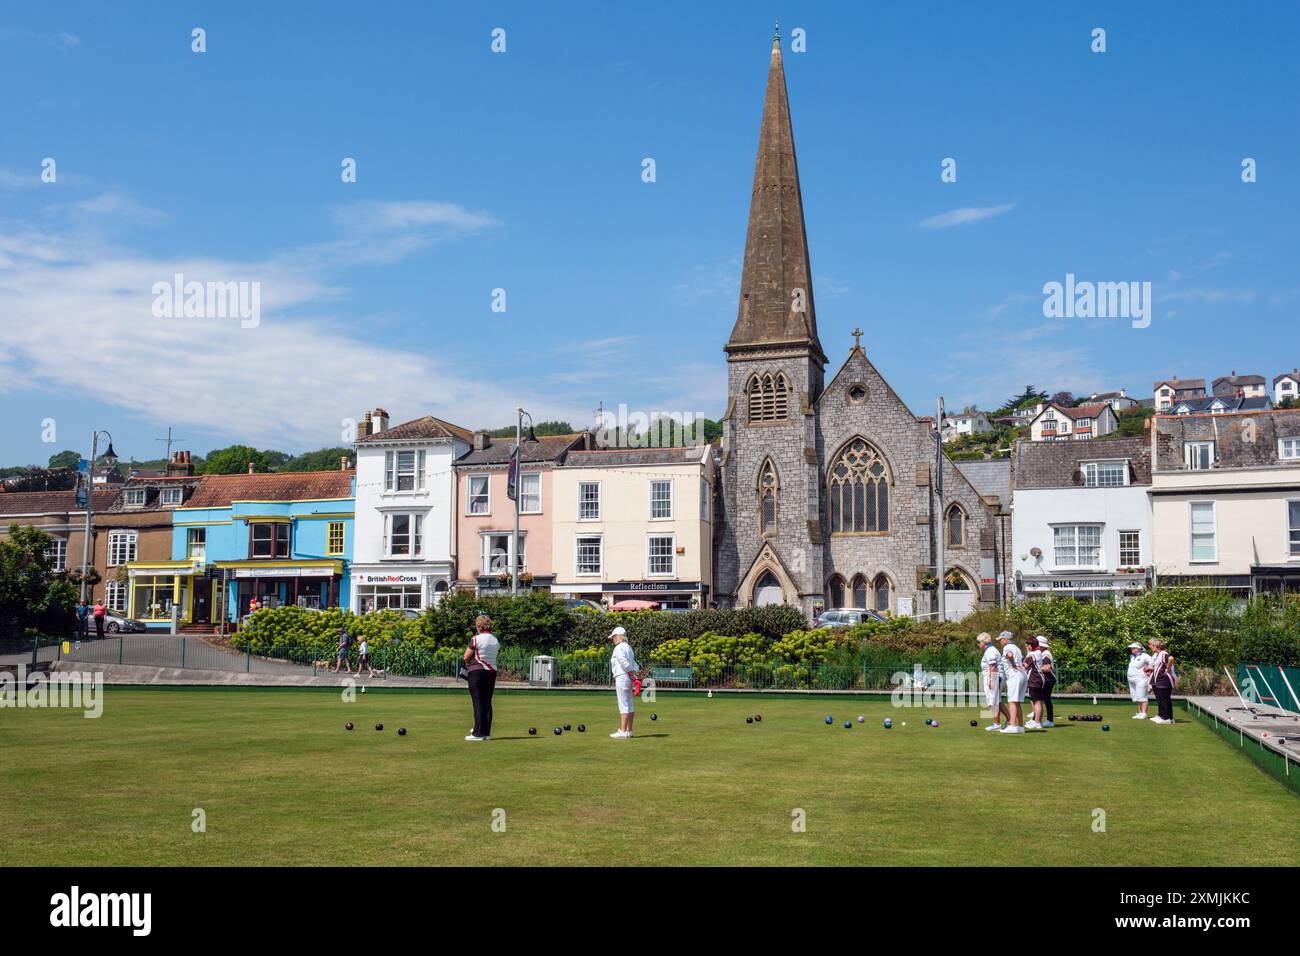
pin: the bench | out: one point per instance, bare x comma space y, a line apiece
671, 675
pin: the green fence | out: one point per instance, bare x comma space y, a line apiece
1270, 684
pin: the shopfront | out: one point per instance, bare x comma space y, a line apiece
158, 587
308, 584
385, 590
1093, 588
676, 595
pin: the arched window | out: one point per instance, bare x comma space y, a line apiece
858, 486
881, 588
768, 491
859, 589
955, 523
767, 590
769, 397
835, 592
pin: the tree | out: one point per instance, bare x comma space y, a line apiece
42, 479
540, 429
65, 459
33, 596
1064, 399
234, 460
322, 459
1030, 396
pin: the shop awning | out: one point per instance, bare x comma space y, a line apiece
282, 569
138, 569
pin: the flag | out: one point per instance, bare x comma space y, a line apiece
512, 476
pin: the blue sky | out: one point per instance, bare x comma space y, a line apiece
522, 171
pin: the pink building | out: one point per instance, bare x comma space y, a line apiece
485, 515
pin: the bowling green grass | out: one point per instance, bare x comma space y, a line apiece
282, 782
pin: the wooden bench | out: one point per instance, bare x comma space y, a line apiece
671, 675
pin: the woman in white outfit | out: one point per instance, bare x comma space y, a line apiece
1013, 665
1139, 678
991, 676
624, 667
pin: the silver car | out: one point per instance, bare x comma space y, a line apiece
847, 617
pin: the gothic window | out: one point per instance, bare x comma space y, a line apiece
881, 588
768, 489
769, 397
859, 591
858, 487
955, 523
835, 592
767, 590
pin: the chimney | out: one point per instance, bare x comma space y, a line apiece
481, 441
180, 465
1123, 394
343, 463
366, 428
381, 420
250, 468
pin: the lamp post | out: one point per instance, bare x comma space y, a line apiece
512, 489
110, 459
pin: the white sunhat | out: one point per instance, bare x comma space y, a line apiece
1041, 641
618, 632
1135, 646
1006, 636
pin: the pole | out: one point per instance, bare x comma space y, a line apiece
90, 509
938, 484
514, 542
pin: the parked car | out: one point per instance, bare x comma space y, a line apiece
847, 617
574, 603
115, 623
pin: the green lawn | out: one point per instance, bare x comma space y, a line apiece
282, 782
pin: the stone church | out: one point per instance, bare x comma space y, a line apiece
829, 496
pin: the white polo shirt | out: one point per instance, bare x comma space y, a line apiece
1013, 662
1137, 665
991, 659
623, 662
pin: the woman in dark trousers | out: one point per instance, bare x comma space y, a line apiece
481, 673
1163, 678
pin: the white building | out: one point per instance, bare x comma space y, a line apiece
967, 423
1285, 386
1081, 519
1058, 423
1119, 401
1225, 497
402, 553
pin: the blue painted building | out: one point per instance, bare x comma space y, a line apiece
282, 538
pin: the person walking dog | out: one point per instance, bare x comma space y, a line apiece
1163, 679
481, 675
1139, 678
625, 669
345, 642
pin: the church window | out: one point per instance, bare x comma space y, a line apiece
858, 488
835, 592
955, 524
859, 591
767, 498
769, 397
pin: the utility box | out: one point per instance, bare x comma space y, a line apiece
542, 671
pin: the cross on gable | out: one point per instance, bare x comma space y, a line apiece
857, 338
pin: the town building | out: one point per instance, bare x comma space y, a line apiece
1081, 520
1220, 404
485, 512
284, 538
829, 487
1286, 387
1241, 386
1119, 401
1225, 492
1059, 423
967, 423
1167, 391
62, 517
634, 524
405, 511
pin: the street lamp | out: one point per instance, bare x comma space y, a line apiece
110, 459
512, 488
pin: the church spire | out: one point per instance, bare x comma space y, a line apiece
776, 302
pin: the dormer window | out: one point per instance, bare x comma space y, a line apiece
171, 496
1198, 455
1105, 474
134, 497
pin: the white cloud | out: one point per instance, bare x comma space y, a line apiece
77, 314
967, 214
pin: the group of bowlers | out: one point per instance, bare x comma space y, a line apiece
1032, 673
1007, 669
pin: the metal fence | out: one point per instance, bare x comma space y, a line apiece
1270, 684
574, 670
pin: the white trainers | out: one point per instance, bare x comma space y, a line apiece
618, 735
1012, 730
1032, 725
993, 727
1048, 723
476, 739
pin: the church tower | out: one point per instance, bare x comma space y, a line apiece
770, 543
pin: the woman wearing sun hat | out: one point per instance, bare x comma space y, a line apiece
1139, 678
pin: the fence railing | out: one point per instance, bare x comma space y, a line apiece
578, 670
